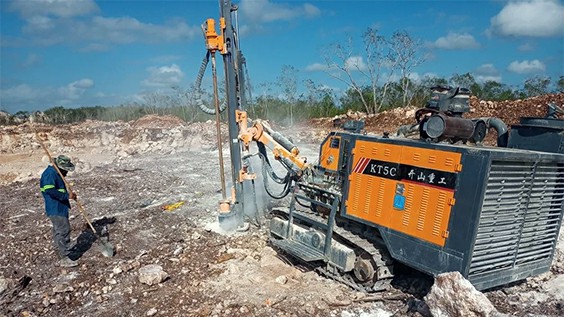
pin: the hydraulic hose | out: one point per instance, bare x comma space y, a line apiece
268, 173
198, 89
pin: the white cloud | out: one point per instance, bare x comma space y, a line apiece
430, 75
311, 10
75, 90
487, 69
19, 94
52, 22
58, 8
355, 63
316, 67
128, 30
527, 67
487, 72
83, 83
414, 76
39, 24
456, 41
259, 11
164, 76
483, 79
26, 97
539, 18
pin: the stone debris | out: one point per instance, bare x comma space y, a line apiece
282, 279
4, 284
454, 296
152, 274
130, 169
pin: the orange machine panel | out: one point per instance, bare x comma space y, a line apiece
404, 188
329, 158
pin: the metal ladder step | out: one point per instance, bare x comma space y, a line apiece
299, 250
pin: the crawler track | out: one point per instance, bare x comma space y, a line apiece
372, 250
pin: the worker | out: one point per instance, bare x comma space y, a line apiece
57, 207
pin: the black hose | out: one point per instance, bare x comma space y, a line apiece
285, 191
302, 204
268, 173
267, 168
262, 151
198, 89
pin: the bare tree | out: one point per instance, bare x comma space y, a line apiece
378, 65
382, 59
341, 64
405, 55
266, 89
289, 81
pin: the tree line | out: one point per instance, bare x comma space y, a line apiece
317, 101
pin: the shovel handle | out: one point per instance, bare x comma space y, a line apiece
67, 185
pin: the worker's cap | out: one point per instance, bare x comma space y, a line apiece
64, 162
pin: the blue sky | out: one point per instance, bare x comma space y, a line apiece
85, 52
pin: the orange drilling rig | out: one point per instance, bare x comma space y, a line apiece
442, 202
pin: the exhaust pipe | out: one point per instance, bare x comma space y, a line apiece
501, 129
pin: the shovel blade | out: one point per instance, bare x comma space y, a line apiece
106, 248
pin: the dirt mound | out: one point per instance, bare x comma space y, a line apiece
511, 110
91, 143
388, 121
158, 122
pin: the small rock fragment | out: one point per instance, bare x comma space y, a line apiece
178, 251
4, 284
152, 274
282, 279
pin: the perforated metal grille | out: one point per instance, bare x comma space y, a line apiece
520, 215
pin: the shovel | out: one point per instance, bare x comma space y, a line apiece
107, 248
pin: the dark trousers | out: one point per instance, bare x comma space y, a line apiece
61, 235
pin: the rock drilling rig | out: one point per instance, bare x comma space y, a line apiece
441, 202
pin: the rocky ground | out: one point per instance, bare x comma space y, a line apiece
127, 172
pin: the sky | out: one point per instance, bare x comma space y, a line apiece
75, 53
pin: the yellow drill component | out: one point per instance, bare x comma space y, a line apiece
214, 42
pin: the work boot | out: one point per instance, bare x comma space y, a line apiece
67, 262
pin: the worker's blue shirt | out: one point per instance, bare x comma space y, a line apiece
55, 193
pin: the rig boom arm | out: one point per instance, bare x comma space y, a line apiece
261, 132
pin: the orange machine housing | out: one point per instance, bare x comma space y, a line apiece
377, 180
493, 214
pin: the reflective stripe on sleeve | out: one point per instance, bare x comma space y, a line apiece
44, 188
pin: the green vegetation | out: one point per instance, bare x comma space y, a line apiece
317, 101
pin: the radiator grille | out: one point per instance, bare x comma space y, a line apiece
520, 215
